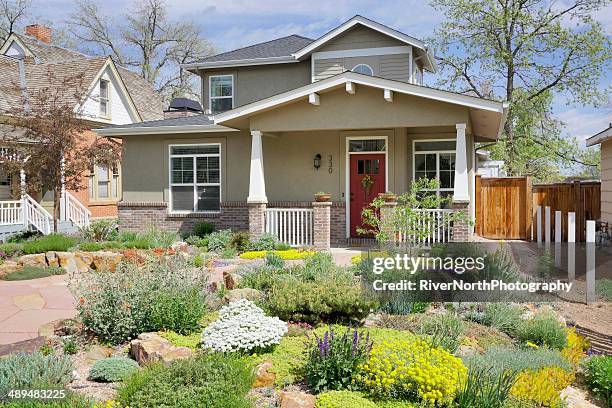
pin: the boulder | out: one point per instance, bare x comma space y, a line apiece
52, 259
9, 267
231, 280
106, 260
98, 352
296, 399
67, 261
263, 376
151, 348
33, 260
246, 293
84, 260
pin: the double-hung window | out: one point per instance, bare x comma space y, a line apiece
104, 183
195, 177
104, 98
221, 93
436, 160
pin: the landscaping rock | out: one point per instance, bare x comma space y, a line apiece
246, 293
67, 261
33, 260
231, 280
264, 378
52, 259
98, 352
106, 260
9, 267
150, 348
296, 399
84, 260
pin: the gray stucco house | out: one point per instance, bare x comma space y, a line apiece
346, 113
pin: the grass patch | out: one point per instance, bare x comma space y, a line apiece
33, 272
288, 360
11, 249
100, 246
604, 289
53, 242
190, 340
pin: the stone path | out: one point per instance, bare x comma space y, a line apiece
25, 306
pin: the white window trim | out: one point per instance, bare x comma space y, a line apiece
347, 172
195, 184
93, 192
108, 98
437, 153
364, 65
210, 97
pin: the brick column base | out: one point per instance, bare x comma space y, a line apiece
257, 219
322, 225
386, 214
461, 227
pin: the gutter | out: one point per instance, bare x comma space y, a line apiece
239, 63
156, 130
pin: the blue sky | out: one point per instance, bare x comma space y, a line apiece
232, 24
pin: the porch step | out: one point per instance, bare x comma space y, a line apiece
65, 227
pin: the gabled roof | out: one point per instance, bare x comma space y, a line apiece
294, 48
600, 137
42, 58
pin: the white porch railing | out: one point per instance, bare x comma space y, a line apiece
292, 226
10, 212
36, 215
76, 211
435, 226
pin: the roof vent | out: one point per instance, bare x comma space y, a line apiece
181, 107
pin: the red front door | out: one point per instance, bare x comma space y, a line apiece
367, 179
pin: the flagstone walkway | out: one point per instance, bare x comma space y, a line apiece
25, 306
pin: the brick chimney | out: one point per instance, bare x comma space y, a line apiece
40, 32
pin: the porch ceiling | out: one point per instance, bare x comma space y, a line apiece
354, 101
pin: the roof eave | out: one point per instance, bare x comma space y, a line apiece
156, 130
600, 137
194, 66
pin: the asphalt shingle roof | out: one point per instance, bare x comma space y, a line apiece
280, 47
194, 120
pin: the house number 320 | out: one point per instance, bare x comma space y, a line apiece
330, 163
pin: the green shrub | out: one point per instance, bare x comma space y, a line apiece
502, 316
190, 340
240, 241
20, 237
72, 400
100, 246
333, 359
101, 230
33, 272
203, 228
274, 260
113, 369
197, 241
329, 298
598, 377
52, 242
161, 294
208, 380
443, 331
499, 359
604, 288
343, 399
544, 330
127, 236
259, 277
158, 238
220, 240
26, 371
281, 246
486, 388
11, 248
266, 242
70, 346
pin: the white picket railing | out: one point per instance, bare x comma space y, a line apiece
435, 226
10, 212
36, 215
292, 226
76, 211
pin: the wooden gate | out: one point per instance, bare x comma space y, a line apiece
503, 207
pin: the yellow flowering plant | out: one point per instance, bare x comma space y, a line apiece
542, 386
289, 254
412, 369
576, 347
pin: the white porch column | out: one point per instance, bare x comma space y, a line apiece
22, 186
257, 184
63, 193
461, 192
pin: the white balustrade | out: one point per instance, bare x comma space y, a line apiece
10, 212
77, 212
292, 226
428, 226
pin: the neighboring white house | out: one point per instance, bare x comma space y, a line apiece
488, 168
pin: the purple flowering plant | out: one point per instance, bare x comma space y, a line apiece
334, 357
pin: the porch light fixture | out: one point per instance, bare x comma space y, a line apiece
317, 161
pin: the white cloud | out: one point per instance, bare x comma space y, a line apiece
583, 124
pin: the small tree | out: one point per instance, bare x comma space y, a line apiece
49, 138
407, 217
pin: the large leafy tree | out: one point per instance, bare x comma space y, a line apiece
526, 52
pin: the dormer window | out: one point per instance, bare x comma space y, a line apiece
104, 98
363, 69
221, 93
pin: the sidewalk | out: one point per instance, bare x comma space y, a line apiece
25, 306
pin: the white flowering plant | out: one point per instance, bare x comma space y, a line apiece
242, 326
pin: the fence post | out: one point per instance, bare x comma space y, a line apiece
579, 209
528, 207
590, 273
571, 247
558, 239
478, 202
539, 223
547, 225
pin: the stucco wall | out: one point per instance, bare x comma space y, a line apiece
606, 181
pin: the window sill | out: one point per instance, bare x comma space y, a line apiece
103, 202
199, 214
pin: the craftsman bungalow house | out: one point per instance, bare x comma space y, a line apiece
346, 113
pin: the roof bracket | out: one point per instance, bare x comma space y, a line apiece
388, 95
313, 99
350, 87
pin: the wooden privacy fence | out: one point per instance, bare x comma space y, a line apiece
506, 207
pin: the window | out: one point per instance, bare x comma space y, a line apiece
367, 145
436, 160
364, 69
104, 183
104, 98
195, 178
221, 93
